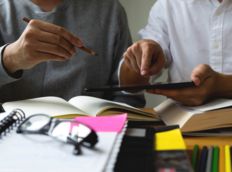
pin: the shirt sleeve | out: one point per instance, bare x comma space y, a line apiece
123, 42
157, 29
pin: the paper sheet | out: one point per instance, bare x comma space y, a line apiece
41, 153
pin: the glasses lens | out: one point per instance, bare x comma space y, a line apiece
35, 123
69, 129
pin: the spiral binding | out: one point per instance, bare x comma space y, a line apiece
11, 120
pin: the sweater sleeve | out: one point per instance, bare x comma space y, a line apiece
4, 76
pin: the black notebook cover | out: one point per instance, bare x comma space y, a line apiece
136, 153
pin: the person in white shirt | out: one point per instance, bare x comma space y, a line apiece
193, 39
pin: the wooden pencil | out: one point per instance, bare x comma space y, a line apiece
85, 49
227, 159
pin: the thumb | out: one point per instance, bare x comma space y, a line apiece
200, 74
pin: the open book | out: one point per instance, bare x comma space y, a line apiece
213, 115
79, 105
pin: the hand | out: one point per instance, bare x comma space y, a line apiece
145, 57
40, 42
206, 81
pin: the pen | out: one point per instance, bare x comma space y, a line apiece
83, 48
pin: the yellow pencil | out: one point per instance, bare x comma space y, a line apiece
222, 158
227, 159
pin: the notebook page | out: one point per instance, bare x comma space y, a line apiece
37, 152
27, 153
3, 115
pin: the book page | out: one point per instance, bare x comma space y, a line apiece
208, 116
53, 106
212, 105
94, 106
172, 114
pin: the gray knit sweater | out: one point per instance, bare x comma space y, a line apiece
101, 24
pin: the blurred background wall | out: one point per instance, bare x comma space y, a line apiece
137, 13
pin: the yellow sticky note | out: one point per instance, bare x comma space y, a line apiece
169, 140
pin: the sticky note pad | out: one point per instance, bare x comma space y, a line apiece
112, 123
169, 140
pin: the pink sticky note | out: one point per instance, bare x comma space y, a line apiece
113, 123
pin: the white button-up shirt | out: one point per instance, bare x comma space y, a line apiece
192, 32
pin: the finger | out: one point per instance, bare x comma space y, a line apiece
56, 39
137, 52
166, 92
200, 74
42, 57
159, 63
196, 80
186, 97
126, 61
49, 27
146, 60
151, 91
132, 62
52, 49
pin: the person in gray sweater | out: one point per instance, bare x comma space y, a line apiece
43, 57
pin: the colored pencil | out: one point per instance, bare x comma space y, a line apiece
203, 159
222, 158
215, 161
227, 159
195, 156
209, 159
231, 156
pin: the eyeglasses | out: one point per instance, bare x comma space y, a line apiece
68, 131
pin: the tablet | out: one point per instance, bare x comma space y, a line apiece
160, 85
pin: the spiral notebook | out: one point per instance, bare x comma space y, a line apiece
26, 153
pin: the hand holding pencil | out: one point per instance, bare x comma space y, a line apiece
82, 47
41, 41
